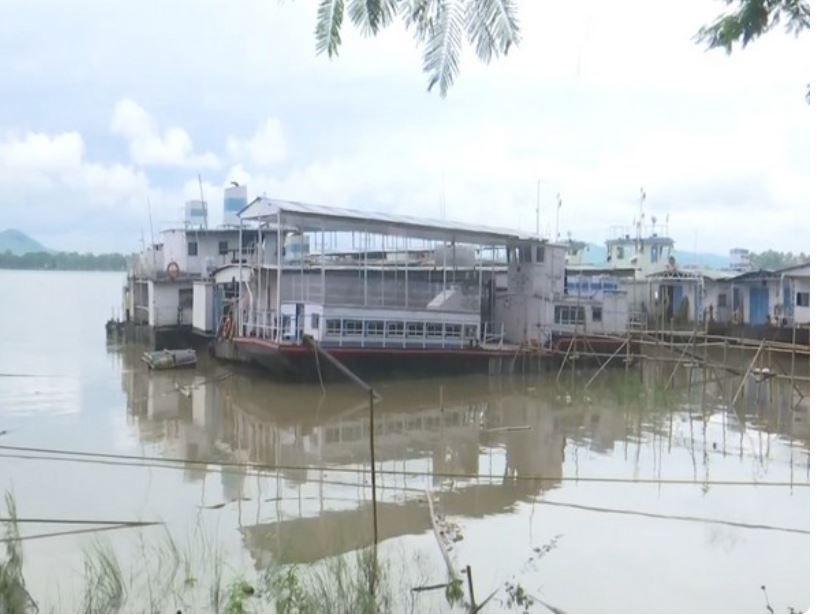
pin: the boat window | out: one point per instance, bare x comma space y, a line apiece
374, 328
540, 254
434, 329
568, 314
596, 314
524, 254
414, 329
394, 329
333, 326
619, 252
185, 298
192, 248
721, 299
352, 327
453, 331
470, 331
803, 299
316, 321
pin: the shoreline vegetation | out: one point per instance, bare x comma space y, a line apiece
63, 261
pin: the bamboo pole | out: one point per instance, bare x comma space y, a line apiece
603, 365
746, 375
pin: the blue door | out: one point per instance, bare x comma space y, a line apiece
758, 305
677, 298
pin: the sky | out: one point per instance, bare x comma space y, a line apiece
109, 113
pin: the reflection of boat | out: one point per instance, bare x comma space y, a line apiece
170, 359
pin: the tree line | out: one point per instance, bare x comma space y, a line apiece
64, 261
772, 259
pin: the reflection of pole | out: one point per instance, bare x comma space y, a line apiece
371, 454
372, 394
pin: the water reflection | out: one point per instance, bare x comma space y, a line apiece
484, 446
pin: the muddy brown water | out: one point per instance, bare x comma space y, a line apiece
656, 501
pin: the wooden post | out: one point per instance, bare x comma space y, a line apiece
471, 589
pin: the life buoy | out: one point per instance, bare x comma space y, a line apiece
172, 270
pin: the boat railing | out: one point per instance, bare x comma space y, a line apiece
263, 324
491, 335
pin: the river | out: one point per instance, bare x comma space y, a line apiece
628, 496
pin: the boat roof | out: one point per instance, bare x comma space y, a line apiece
647, 239
324, 218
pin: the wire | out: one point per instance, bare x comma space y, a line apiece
73, 532
442, 475
751, 526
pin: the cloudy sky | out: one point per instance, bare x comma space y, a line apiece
106, 105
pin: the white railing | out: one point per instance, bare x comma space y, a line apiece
263, 324
492, 336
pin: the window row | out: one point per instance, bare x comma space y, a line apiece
395, 328
574, 314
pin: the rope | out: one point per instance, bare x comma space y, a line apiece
445, 475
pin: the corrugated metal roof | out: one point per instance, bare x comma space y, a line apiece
694, 272
342, 219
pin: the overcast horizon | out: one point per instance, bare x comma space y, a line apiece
105, 107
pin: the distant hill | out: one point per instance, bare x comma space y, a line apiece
18, 243
598, 254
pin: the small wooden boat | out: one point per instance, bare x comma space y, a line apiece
170, 359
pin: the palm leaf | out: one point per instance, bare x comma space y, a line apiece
420, 14
492, 27
327, 31
372, 15
441, 57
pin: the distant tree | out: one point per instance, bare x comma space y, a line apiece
491, 27
771, 259
65, 261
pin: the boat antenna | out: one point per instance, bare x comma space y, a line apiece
538, 186
640, 213
558, 207
442, 196
203, 202
152, 243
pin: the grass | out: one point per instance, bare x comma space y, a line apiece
164, 576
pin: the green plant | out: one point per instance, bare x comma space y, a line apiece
14, 597
239, 591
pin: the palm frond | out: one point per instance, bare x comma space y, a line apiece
420, 15
372, 15
441, 57
327, 30
492, 27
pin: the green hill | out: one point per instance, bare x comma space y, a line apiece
18, 243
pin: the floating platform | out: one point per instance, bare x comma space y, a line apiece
170, 359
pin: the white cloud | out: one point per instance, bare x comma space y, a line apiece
597, 101
149, 146
265, 148
39, 153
